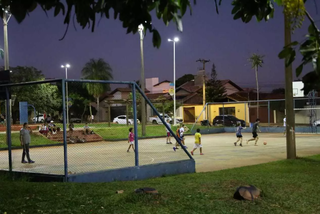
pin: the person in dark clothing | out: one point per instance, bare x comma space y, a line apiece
25, 140
255, 129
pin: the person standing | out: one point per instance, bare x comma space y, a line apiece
255, 128
197, 142
25, 140
168, 132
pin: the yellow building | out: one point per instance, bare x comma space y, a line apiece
191, 112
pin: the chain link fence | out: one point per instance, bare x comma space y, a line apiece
98, 128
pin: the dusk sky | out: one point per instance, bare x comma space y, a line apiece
226, 42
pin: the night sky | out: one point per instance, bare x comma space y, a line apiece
225, 42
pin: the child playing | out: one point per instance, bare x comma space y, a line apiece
180, 135
255, 129
131, 139
197, 142
239, 135
168, 132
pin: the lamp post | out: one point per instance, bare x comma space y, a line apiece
66, 66
176, 39
5, 18
142, 81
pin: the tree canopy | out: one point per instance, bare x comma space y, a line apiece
214, 89
135, 12
185, 78
44, 97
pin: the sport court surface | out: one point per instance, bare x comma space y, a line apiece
219, 153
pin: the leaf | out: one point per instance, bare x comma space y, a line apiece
291, 58
285, 53
156, 38
57, 10
299, 70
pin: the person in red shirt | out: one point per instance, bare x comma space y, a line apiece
131, 139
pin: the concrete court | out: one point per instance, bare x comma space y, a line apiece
219, 153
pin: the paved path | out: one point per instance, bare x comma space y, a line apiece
220, 153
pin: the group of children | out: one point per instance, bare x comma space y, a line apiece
197, 141
255, 137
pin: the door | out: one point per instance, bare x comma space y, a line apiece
189, 115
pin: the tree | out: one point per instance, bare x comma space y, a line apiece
81, 99
256, 61
97, 70
214, 89
185, 78
44, 97
173, 11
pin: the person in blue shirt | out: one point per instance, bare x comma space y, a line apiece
239, 134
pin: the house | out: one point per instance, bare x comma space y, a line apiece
154, 86
191, 91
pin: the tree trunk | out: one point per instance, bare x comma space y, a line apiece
257, 82
90, 112
98, 110
84, 111
127, 113
290, 123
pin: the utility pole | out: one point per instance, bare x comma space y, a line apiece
203, 61
290, 123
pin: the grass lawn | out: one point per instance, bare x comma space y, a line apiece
289, 186
35, 140
121, 131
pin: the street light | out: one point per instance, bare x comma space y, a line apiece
142, 81
176, 39
66, 66
5, 18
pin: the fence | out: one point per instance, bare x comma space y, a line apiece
270, 112
76, 133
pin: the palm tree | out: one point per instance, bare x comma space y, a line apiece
97, 70
256, 61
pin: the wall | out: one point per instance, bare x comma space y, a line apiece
137, 173
150, 82
241, 111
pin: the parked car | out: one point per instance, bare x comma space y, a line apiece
316, 123
229, 120
122, 119
38, 119
156, 119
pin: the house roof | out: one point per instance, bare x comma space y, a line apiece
190, 87
245, 96
224, 82
157, 95
162, 82
124, 90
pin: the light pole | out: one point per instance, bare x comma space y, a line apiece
5, 18
66, 66
176, 39
142, 81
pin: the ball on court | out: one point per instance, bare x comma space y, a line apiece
264, 143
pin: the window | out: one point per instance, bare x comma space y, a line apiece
227, 111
